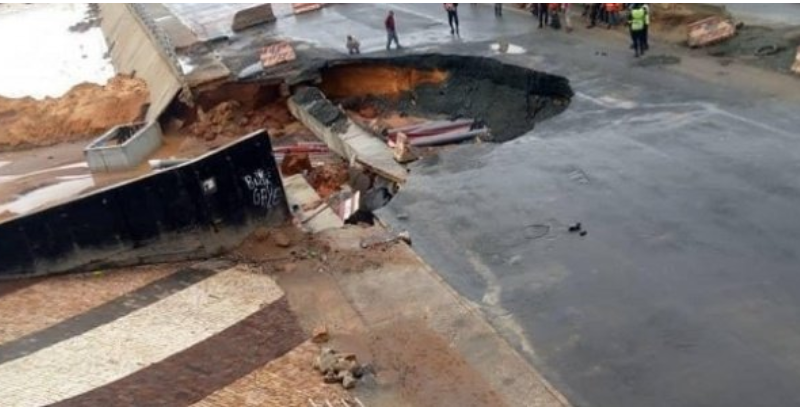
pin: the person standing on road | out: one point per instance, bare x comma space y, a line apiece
636, 22
565, 11
646, 44
498, 9
544, 16
452, 17
391, 31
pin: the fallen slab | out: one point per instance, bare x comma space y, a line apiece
709, 31
343, 136
300, 194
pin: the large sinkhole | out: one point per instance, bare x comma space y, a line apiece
509, 99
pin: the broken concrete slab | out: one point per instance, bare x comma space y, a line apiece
276, 54
252, 16
329, 123
710, 30
300, 193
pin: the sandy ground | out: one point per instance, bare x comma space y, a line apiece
85, 111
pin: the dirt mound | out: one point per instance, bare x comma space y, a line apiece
232, 119
87, 110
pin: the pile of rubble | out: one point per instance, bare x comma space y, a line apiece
337, 367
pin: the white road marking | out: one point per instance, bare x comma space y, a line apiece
131, 343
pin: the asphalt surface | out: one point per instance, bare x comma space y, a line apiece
685, 290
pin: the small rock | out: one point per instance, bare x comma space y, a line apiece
326, 361
402, 216
348, 380
281, 240
321, 335
261, 234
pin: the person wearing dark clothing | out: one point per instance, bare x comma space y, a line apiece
543, 15
391, 31
452, 17
594, 13
498, 9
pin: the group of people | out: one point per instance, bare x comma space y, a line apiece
610, 14
549, 14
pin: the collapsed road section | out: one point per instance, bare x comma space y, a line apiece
509, 99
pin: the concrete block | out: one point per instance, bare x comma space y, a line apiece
123, 147
277, 53
252, 16
710, 30
300, 8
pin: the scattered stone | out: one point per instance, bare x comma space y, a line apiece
321, 335
402, 150
281, 240
261, 234
402, 216
348, 380
385, 238
338, 368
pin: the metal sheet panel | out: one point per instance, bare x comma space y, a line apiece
137, 48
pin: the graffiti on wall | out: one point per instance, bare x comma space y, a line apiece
265, 193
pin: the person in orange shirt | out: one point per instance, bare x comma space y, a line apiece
612, 13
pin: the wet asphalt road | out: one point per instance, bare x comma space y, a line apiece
686, 290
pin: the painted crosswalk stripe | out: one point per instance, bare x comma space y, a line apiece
136, 341
102, 314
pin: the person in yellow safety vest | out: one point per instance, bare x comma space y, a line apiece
646, 8
636, 21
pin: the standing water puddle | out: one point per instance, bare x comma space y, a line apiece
507, 48
47, 195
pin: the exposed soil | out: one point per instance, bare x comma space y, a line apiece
328, 178
87, 110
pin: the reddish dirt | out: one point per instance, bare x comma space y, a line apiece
295, 163
328, 179
232, 119
84, 111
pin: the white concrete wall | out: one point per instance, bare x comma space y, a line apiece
126, 156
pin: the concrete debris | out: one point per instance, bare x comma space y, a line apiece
281, 240
338, 367
320, 335
385, 238
276, 54
252, 16
710, 30
402, 149
261, 234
